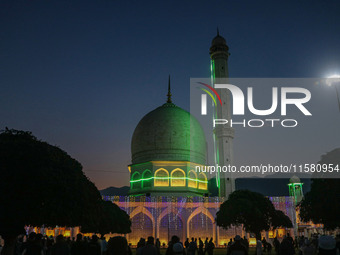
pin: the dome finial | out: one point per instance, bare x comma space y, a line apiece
218, 32
169, 92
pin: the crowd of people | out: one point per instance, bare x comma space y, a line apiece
37, 244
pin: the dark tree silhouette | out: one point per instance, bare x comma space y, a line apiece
112, 220
41, 184
255, 211
322, 203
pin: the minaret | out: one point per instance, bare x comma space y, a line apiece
224, 134
295, 189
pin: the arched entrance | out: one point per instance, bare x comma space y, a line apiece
142, 225
201, 224
169, 225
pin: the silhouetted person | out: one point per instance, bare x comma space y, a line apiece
158, 246
33, 247
149, 248
60, 247
177, 249
286, 246
192, 247
186, 244
237, 248
276, 244
200, 246
140, 246
245, 242
230, 242
327, 245
94, 246
307, 248
172, 243
103, 245
211, 247
118, 246
79, 247
206, 242
264, 244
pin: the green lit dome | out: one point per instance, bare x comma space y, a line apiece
168, 133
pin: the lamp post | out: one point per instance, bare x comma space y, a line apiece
334, 79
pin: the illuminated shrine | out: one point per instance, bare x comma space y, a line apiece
167, 196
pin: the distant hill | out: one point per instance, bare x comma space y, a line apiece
270, 186
113, 191
267, 187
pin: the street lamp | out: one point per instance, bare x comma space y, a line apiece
334, 79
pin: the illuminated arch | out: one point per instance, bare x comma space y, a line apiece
147, 179
178, 178
161, 178
202, 181
174, 211
204, 211
135, 181
192, 179
143, 210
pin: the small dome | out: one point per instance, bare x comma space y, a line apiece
219, 44
294, 179
218, 40
168, 133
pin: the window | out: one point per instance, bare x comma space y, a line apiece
202, 181
178, 178
192, 180
135, 181
161, 177
147, 179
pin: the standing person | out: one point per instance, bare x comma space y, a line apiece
245, 242
258, 247
264, 244
186, 244
174, 243
286, 246
269, 248
79, 246
178, 249
276, 244
206, 242
211, 247
307, 248
149, 248
60, 247
327, 245
33, 247
158, 246
103, 245
140, 246
192, 247
200, 246
237, 247
94, 246
118, 246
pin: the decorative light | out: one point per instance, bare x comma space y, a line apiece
168, 178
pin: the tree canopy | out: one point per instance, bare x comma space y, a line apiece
322, 203
255, 211
41, 184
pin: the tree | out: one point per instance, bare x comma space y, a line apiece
322, 203
112, 220
41, 184
255, 211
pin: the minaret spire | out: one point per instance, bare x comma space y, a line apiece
169, 92
218, 32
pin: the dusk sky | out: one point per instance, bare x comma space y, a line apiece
81, 74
